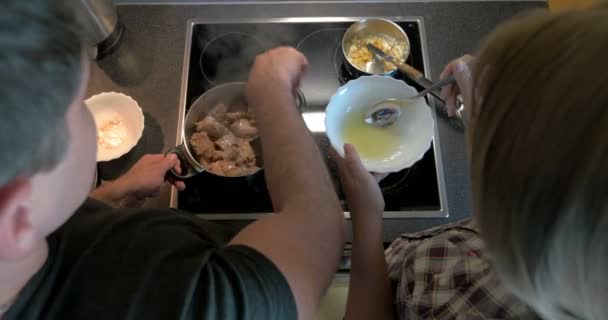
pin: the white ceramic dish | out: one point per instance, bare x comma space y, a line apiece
119, 121
415, 125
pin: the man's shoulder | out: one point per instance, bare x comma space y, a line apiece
152, 264
97, 225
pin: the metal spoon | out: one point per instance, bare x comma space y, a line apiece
386, 112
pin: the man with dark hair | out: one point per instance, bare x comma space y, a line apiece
62, 257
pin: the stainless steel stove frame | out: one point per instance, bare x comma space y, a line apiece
443, 212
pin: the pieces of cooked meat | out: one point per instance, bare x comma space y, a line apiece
222, 141
203, 146
243, 128
229, 146
243, 171
221, 167
235, 116
218, 112
213, 127
246, 155
230, 169
226, 141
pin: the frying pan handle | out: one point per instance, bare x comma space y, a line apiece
187, 170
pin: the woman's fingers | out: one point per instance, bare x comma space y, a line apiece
447, 70
342, 169
379, 176
353, 160
450, 102
461, 69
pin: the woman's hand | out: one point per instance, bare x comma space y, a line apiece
363, 194
370, 295
462, 69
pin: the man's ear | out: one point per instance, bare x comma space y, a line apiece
17, 235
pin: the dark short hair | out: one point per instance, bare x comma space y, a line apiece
539, 159
40, 72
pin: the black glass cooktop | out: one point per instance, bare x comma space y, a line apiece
224, 52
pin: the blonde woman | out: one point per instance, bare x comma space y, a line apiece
538, 149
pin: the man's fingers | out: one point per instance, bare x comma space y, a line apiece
302, 61
178, 167
147, 193
170, 161
302, 66
154, 193
298, 80
180, 185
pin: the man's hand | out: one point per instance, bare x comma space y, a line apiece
363, 194
142, 181
276, 74
462, 69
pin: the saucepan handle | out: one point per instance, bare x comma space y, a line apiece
187, 170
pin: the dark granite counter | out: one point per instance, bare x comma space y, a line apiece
148, 67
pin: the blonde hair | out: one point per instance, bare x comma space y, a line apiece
539, 159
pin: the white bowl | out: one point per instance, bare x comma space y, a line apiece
119, 121
414, 127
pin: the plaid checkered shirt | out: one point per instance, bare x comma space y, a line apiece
441, 273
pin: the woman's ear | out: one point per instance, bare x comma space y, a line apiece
17, 235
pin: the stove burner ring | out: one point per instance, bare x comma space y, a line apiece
229, 57
314, 33
337, 55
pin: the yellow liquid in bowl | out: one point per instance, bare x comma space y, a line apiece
372, 143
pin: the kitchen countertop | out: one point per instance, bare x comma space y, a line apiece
148, 67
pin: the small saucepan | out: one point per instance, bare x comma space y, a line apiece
385, 35
231, 95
